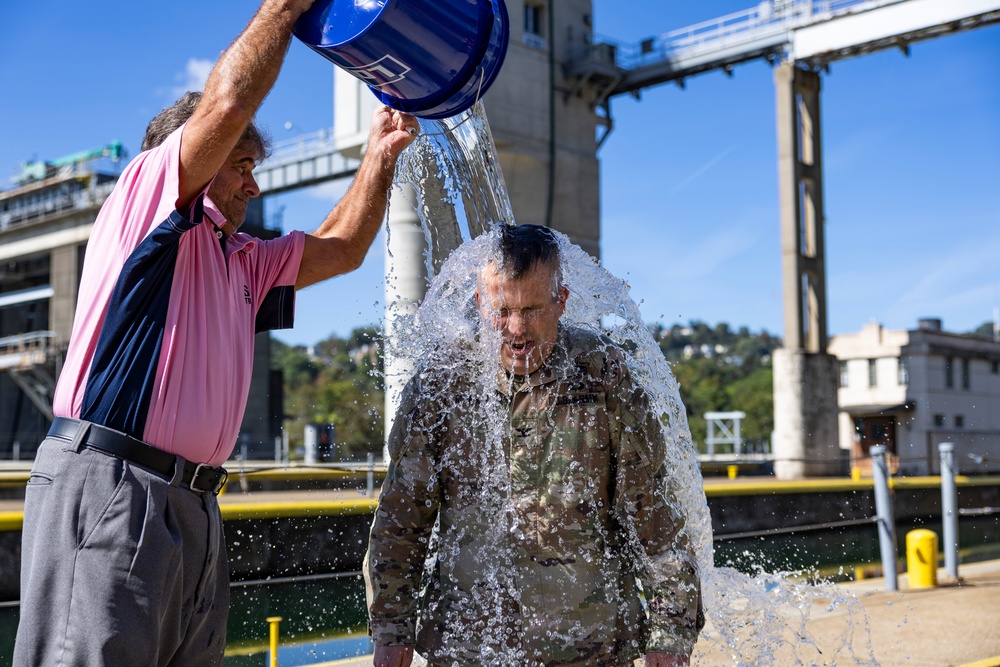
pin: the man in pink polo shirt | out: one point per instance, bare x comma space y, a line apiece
123, 557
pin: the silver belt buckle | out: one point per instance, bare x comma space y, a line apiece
218, 485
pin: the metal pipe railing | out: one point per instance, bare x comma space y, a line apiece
949, 509
886, 520
794, 529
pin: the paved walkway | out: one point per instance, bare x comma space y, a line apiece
957, 624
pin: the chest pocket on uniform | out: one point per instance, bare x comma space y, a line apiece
577, 465
579, 422
526, 445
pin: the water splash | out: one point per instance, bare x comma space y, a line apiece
454, 168
758, 620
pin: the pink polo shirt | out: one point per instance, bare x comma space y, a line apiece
162, 342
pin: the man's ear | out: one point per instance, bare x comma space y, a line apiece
561, 299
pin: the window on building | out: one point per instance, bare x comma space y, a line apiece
534, 13
966, 380
844, 377
949, 373
903, 374
532, 19
872, 373
959, 421
939, 420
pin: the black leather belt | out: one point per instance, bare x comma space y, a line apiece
196, 476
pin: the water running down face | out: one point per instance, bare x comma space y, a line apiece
526, 311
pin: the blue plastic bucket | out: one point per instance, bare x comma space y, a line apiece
431, 58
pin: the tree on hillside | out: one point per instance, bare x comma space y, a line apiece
754, 395
336, 381
339, 381
721, 370
703, 389
984, 330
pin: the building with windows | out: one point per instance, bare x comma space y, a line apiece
911, 390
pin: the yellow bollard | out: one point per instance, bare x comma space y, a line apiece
732, 471
275, 621
856, 473
921, 558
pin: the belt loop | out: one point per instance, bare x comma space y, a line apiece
178, 477
80, 438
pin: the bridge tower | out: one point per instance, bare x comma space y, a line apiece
805, 375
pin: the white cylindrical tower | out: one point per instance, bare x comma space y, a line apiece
405, 288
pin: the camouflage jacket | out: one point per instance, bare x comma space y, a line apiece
532, 559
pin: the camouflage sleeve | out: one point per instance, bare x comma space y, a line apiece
404, 519
665, 561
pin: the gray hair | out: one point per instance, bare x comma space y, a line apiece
168, 120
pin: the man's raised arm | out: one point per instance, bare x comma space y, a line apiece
342, 241
237, 85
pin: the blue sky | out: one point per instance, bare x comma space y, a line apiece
689, 178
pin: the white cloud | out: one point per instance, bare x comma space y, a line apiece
956, 281
953, 270
193, 77
691, 178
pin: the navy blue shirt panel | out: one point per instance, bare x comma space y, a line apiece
120, 383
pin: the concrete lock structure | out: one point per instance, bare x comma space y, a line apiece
921, 558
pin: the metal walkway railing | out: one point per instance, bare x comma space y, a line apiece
770, 30
26, 350
747, 27
305, 160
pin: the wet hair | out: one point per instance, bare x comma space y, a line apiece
168, 120
522, 247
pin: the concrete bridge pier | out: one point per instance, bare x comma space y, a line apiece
805, 376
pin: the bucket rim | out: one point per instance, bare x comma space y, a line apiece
307, 26
465, 96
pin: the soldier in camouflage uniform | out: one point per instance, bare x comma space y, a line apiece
535, 560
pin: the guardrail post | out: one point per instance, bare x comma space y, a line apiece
949, 508
886, 520
274, 622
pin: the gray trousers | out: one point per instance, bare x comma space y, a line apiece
119, 566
